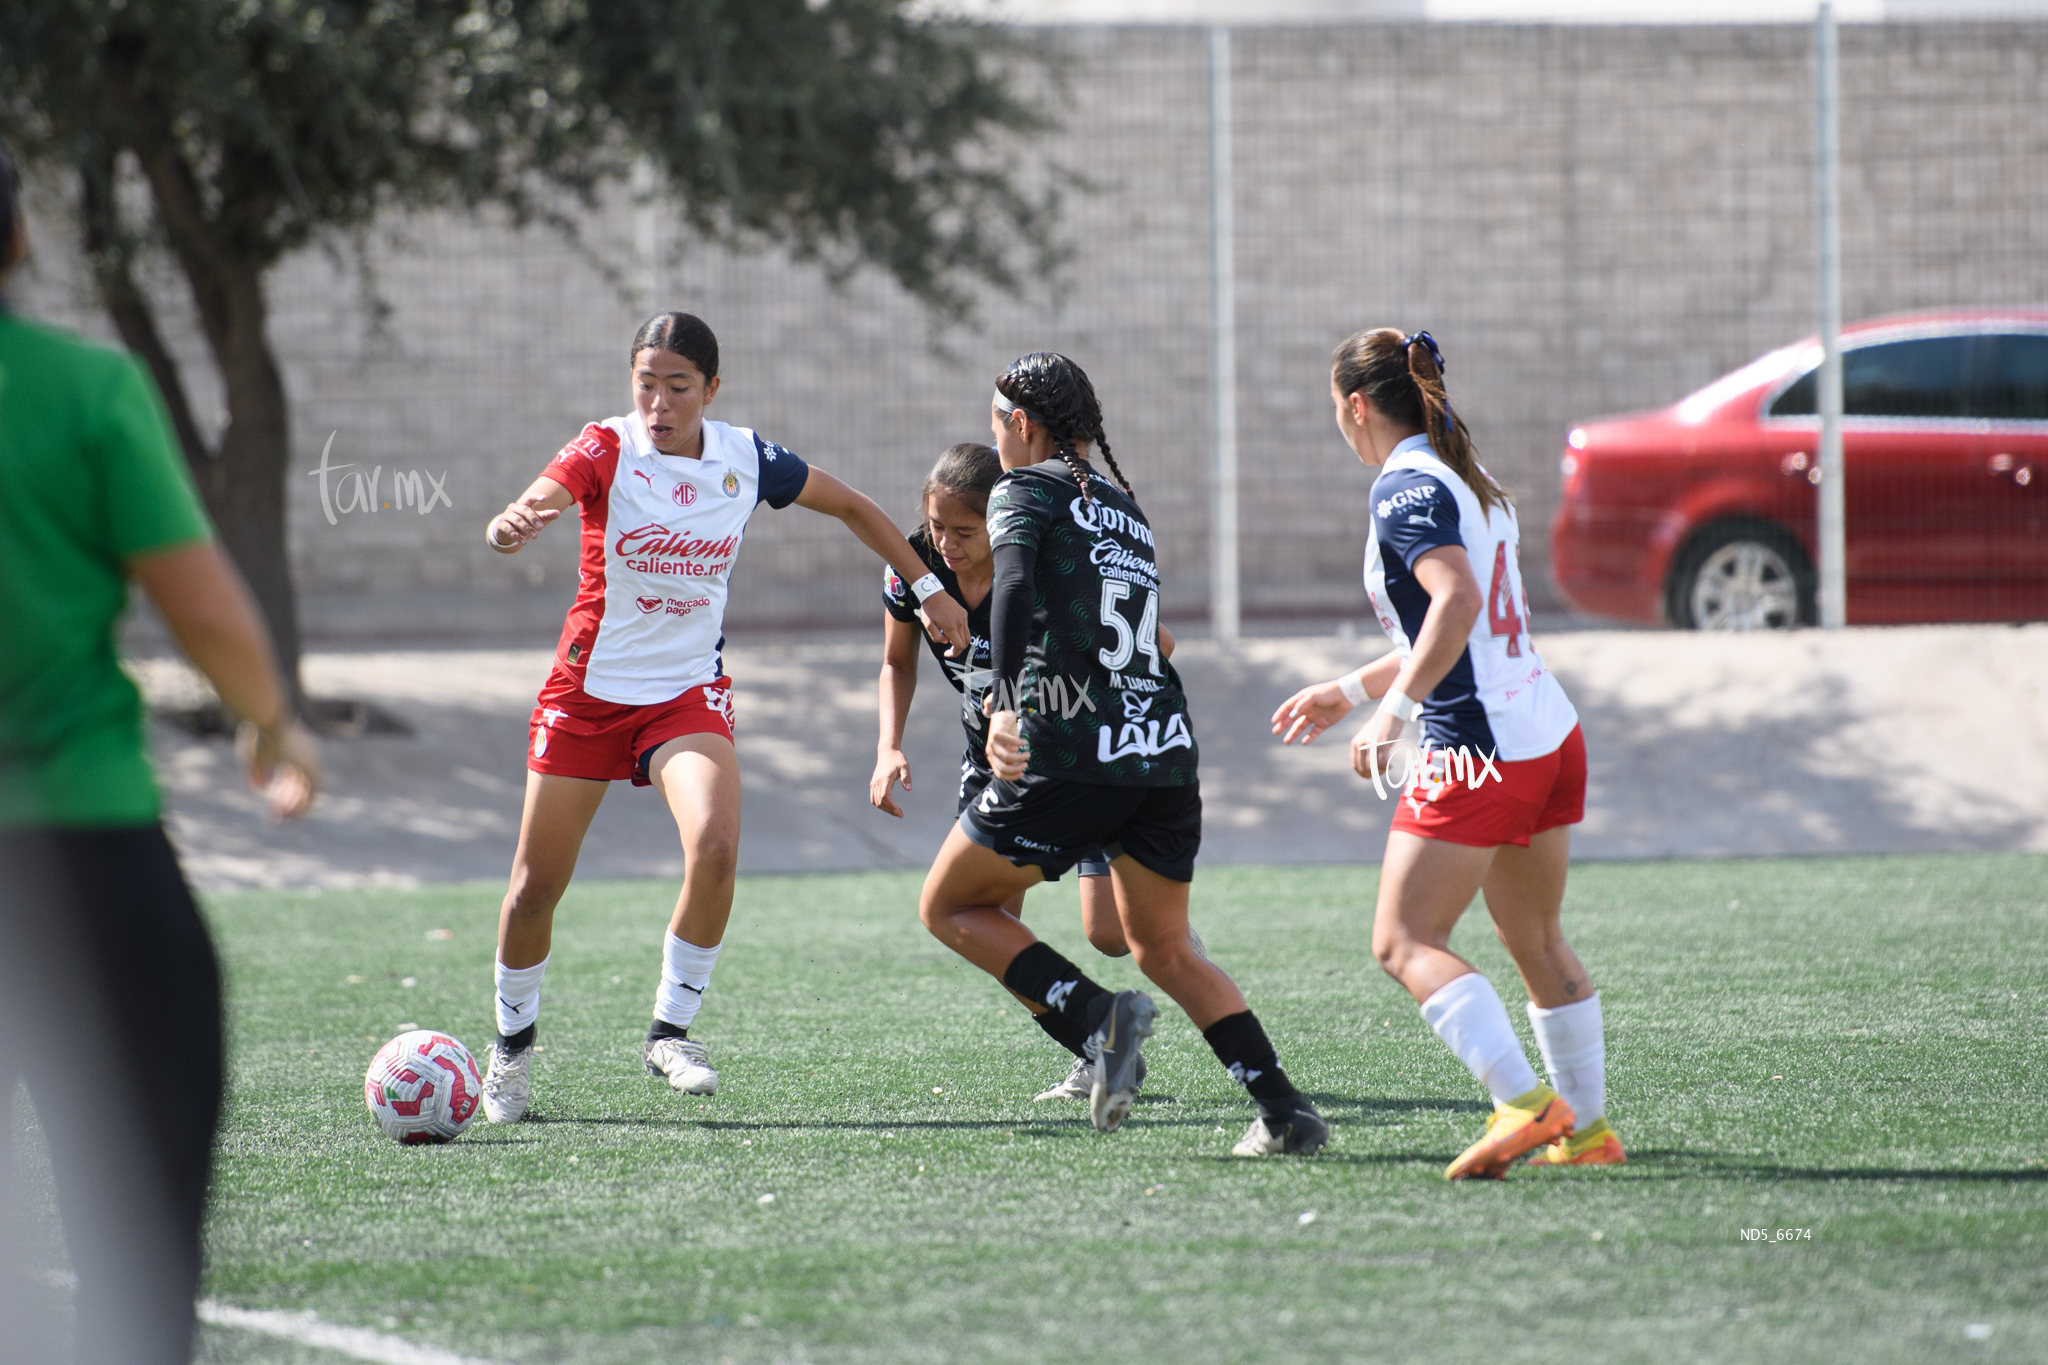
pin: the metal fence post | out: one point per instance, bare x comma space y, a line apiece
1223, 568
646, 237
1828, 169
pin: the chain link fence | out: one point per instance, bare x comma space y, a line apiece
1591, 220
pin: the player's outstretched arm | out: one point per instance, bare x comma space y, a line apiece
871, 526
1315, 709
898, 686
525, 516
208, 608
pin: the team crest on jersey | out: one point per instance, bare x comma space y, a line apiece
685, 494
732, 484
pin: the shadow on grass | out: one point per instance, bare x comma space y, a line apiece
1677, 1163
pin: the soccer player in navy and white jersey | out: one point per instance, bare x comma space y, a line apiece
1500, 776
638, 690
952, 539
1090, 746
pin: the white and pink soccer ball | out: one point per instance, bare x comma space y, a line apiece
423, 1086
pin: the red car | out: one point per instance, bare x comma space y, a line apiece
1703, 514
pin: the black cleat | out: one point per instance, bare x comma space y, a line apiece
1116, 1045
1299, 1133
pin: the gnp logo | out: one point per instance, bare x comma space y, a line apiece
685, 494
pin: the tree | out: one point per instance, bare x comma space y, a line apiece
848, 131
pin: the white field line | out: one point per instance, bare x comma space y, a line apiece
304, 1328
308, 1330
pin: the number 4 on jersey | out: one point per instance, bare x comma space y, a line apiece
1501, 616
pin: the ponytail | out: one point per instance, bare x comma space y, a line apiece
1403, 376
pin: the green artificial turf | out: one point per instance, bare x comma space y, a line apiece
1848, 1050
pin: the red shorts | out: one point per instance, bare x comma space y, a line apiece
573, 734
1507, 804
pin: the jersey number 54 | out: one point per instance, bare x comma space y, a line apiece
1144, 640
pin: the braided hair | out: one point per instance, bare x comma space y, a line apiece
1056, 393
1403, 376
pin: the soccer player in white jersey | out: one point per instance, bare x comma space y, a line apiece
1500, 775
638, 691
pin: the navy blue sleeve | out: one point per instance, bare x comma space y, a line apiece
782, 474
1413, 513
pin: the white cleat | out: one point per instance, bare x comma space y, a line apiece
1079, 1084
508, 1084
684, 1062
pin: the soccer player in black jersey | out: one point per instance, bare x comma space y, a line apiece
1089, 742
952, 539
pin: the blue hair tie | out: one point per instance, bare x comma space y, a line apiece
1426, 339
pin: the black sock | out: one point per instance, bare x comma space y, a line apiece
517, 1042
1241, 1045
662, 1028
1040, 974
1069, 1033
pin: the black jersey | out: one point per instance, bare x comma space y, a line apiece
1099, 703
968, 673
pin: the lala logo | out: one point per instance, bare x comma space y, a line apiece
648, 604
732, 484
685, 494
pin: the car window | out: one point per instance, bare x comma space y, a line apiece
1926, 377
2014, 382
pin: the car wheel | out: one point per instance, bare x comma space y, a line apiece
1743, 577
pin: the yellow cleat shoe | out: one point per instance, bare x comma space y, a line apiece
1524, 1122
1598, 1145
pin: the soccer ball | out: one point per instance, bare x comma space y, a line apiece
423, 1086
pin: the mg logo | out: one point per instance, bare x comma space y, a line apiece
685, 494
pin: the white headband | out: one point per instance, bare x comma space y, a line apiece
1006, 407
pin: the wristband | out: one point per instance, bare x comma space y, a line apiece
1353, 688
926, 586
1400, 705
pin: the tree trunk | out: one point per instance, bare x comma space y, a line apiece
243, 481
245, 490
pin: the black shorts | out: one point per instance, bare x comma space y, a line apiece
1052, 824
974, 780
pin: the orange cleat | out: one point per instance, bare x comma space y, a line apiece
1598, 1145
1524, 1122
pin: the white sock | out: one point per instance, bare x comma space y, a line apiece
1575, 1054
685, 972
519, 996
1468, 1015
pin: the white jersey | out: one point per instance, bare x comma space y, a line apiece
660, 534
1498, 698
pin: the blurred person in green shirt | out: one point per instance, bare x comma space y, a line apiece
110, 999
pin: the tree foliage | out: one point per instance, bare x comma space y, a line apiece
848, 131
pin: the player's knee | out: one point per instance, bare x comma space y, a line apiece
1163, 954
1108, 939
714, 854
1391, 948
533, 897
936, 916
